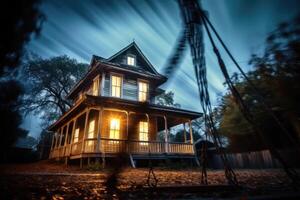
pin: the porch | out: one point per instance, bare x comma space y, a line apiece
137, 130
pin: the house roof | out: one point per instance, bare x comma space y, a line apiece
111, 102
99, 63
133, 45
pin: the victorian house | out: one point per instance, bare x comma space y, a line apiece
114, 111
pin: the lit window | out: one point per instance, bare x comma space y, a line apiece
116, 86
143, 91
96, 87
143, 135
91, 132
76, 135
130, 60
114, 131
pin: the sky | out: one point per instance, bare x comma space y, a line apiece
80, 29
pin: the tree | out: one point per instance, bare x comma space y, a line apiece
11, 118
276, 74
19, 19
167, 99
48, 83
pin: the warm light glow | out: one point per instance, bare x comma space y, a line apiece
76, 135
130, 60
116, 86
96, 87
143, 135
114, 131
143, 91
91, 132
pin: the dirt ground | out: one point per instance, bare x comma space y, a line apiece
51, 180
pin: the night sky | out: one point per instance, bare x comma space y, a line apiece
80, 29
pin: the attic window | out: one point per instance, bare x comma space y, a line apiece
131, 60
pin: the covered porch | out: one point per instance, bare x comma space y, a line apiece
89, 133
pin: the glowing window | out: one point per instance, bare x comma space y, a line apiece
91, 132
143, 91
143, 135
130, 60
76, 135
116, 86
91, 129
95, 88
114, 131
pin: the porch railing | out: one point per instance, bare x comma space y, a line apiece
117, 145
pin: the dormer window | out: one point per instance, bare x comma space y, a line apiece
131, 60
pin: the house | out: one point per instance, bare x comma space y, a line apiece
114, 112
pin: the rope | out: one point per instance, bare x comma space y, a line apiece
151, 179
245, 110
189, 9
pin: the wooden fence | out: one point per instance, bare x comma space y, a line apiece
251, 160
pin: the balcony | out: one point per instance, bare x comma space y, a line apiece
114, 146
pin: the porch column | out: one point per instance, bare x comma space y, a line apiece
127, 133
61, 134
166, 135
191, 132
102, 84
67, 131
85, 129
52, 141
99, 130
72, 134
56, 139
184, 132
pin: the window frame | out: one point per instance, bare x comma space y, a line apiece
114, 129
121, 84
143, 135
147, 92
131, 56
96, 81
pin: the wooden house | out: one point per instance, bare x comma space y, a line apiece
114, 112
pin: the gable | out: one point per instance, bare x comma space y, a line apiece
133, 50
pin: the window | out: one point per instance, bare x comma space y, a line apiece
91, 133
76, 135
116, 86
114, 131
143, 91
95, 89
143, 135
131, 60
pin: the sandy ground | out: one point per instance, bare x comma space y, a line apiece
50, 180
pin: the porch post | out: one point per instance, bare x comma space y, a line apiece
166, 135
52, 141
56, 138
66, 143
85, 129
67, 131
191, 132
127, 133
72, 134
184, 132
99, 130
102, 83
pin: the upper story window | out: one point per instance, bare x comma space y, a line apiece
116, 86
143, 91
131, 60
95, 88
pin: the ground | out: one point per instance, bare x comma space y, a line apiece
51, 180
